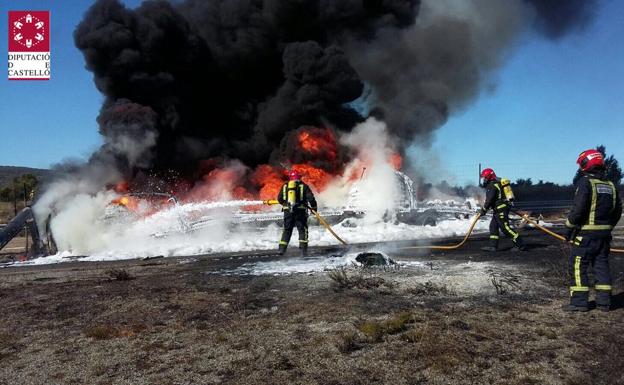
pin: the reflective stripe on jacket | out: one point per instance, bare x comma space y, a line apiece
597, 206
494, 196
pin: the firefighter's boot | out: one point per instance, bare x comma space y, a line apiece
304, 249
603, 297
493, 246
282, 248
519, 244
569, 308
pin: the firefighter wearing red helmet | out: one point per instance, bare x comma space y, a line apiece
295, 198
596, 210
496, 199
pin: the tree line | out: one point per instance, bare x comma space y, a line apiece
526, 189
22, 188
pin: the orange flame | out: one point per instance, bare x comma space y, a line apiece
223, 180
141, 207
219, 184
319, 141
122, 187
127, 201
316, 177
396, 161
269, 180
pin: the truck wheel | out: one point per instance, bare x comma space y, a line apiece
429, 221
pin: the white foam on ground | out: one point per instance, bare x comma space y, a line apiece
305, 265
296, 265
140, 237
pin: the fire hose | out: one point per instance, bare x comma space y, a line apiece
450, 247
474, 221
321, 220
552, 233
327, 226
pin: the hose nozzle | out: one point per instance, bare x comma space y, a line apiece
271, 202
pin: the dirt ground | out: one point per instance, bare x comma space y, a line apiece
463, 317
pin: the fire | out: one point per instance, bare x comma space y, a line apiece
313, 152
269, 180
396, 161
122, 187
355, 171
219, 184
320, 142
316, 177
129, 202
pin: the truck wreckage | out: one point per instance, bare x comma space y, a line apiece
25, 220
191, 217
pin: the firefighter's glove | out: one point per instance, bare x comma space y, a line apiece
482, 212
570, 233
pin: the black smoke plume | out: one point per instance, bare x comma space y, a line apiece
227, 78
556, 18
232, 78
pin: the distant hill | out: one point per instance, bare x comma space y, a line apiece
7, 173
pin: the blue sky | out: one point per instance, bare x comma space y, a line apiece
45, 122
552, 99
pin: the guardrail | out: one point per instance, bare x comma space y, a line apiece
551, 205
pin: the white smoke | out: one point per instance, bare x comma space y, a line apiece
60, 194
77, 227
375, 189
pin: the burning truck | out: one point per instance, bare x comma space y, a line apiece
194, 217
367, 182
369, 185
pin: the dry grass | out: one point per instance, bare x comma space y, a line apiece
347, 341
339, 277
119, 274
108, 331
556, 271
221, 329
430, 289
505, 282
376, 330
546, 332
7, 211
442, 349
101, 332
8, 345
341, 280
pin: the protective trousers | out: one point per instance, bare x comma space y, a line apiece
500, 220
595, 251
299, 218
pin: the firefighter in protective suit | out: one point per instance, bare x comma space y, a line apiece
596, 210
295, 198
496, 200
